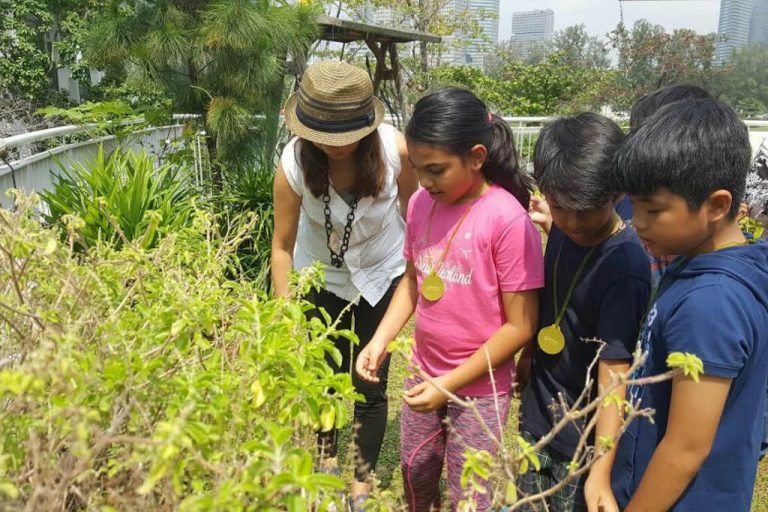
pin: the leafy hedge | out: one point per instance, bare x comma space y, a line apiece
146, 379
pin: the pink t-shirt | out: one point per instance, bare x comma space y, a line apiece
497, 249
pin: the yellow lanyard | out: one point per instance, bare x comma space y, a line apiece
432, 286
551, 338
432, 268
559, 313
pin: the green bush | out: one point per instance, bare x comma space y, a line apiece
247, 192
121, 198
135, 379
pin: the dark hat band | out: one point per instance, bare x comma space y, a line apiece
336, 105
337, 126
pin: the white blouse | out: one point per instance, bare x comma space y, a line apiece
375, 253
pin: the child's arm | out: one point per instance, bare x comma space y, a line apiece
540, 213
694, 415
521, 310
399, 311
597, 488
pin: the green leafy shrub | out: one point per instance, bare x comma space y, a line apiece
138, 93
121, 198
247, 192
135, 379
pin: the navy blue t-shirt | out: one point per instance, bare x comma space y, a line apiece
608, 303
715, 306
624, 209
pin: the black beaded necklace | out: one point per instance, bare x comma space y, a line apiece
337, 258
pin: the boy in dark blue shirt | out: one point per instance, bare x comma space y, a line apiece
685, 169
596, 286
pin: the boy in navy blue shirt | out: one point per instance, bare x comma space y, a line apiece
685, 169
596, 286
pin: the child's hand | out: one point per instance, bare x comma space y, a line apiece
425, 397
523, 372
538, 210
743, 211
598, 494
369, 360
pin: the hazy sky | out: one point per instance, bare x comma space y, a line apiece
601, 16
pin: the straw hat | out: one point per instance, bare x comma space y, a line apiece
334, 105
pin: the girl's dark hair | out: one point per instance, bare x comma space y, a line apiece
455, 120
369, 165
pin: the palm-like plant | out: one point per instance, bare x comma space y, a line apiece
220, 58
120, 198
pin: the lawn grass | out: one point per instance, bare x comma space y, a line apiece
388, 469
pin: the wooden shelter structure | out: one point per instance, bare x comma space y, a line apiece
382, 41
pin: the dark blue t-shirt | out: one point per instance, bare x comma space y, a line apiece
608, 303
624, 209
715, 306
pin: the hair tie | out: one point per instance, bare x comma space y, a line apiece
490, 118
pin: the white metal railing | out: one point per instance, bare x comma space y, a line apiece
24, 139
36, 171
526, 130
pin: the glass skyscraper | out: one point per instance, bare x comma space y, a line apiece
741, 22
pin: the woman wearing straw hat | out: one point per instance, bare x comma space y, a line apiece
340, 195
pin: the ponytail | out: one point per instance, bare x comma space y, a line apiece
501, 165
455, 120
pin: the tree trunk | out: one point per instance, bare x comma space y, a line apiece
210, 139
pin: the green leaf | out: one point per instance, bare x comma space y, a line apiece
605, 443
297, 504
327, 418
9, 490
613, 398
691, 365
510, 493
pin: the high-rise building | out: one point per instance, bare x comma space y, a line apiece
473, 51
758, 31
385, 17
382, 16
463, 50
530, 28
741, 22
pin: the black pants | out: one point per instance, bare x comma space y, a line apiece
371, 415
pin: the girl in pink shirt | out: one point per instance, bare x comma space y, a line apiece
474, 265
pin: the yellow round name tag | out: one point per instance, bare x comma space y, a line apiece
432, 287
551, 339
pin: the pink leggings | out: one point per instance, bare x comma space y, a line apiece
426, 441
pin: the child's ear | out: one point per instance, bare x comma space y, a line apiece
477, 156
719, 205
